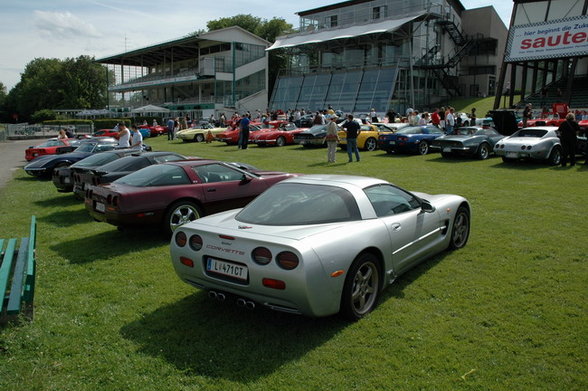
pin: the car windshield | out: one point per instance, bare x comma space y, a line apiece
86, 147
96, 160
317, 129
51, 143
411, 130
127, 163
530, 133
155, 175
300, 204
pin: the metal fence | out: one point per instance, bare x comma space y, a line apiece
16, 131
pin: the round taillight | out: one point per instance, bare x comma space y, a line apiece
261, 255
196, 242
115, 201
523, 147
181, 238
529, 148
287, 260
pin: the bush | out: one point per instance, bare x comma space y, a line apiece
43, 115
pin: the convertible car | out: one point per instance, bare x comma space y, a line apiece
51, 147
537, 143
468, 140
109, 172
411, 139
63, 177
174, 193
318, 244
283, 135
198, 133
43, 166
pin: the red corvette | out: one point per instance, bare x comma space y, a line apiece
50, 147
231, 135
174, 193
106, 133
284, 135
155, 130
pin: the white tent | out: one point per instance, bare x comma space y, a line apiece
149, 109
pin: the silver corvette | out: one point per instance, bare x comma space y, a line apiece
535, 143
318, 244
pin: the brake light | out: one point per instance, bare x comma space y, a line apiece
287, 260
196, 242
181, 239
187, 262
261, 256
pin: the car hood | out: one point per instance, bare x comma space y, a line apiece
42, 161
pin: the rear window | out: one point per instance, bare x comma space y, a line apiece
300, 204
156, 175
530, 133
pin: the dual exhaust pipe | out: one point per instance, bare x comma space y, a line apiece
241, 302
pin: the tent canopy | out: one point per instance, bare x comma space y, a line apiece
150, 109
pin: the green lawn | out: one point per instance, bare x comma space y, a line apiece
507, 312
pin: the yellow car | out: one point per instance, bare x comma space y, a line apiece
198, 133
367, 139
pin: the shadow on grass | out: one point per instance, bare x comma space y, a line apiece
524, 165
204, 337
109, 244
67, 218
62, 200
30, 178
219, 340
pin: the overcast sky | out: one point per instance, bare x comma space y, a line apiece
32, 29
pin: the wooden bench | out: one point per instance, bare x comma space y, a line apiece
17, 276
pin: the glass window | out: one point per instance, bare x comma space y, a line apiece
530, 12
217, 173
168, 158
156, 175
389, 200
98, 159
300, 204
560, 9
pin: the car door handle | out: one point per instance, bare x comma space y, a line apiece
396, 227
211, 190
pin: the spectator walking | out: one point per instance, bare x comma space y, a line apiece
353, 130
170, 129
244, 132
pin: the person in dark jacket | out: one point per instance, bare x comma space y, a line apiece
568, 131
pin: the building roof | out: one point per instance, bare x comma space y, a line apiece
386, 26
456, 3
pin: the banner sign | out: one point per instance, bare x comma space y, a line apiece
554, 39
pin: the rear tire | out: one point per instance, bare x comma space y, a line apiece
483, 151
371, 144
423, 148
362, 287
280, 142
554, 157
180, 213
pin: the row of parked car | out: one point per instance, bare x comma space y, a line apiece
289, 249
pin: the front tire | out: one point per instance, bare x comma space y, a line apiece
362, 287
199, 138
460, 232
280, 142
423, 148
180, 213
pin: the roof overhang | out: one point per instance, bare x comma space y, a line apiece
386, 26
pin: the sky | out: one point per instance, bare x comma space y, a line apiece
71, 28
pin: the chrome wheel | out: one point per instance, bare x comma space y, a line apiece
555, 157
423, 148
371, 144
461, 228
181, 213
199, 138
362, 287
483, 152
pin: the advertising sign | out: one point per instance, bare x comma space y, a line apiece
554, 39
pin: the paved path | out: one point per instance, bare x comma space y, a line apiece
12, 158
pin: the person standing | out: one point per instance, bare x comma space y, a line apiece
435, 118
123, 136
244, 132
332, 138
170, 129
373, 115
473, 117
449, 121
568, 131
137, 138
526, 114
353, 130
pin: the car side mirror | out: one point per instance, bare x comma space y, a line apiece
245, 179
427, 207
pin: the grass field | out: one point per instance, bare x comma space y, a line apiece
507, 312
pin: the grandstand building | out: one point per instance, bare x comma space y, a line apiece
199, 75
546, 55
389, 54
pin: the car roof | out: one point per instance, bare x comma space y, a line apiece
336, 180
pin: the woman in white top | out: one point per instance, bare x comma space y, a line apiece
123, 136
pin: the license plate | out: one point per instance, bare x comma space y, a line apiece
227, 269
302, 141
66, 180
512, 154
100, 207
392, 142
446, 149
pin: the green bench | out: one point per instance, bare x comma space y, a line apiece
17, 276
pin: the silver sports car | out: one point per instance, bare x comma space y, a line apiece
318, 244
536, 143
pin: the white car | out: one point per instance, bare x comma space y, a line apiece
318, 245
536, 143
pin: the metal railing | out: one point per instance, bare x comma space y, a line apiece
24, 131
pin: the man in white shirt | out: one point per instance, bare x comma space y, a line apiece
123, 136
137, 139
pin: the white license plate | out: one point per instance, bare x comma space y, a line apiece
392, 142
66, 180
100, 207
512, 154
227, 269
446, 149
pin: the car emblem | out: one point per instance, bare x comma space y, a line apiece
245, 227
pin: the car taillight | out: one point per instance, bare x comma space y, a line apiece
95, 181
89, 193
181, 238
187, 261
274, 284
523, 147
196, 242
287, 260
115, 201
261, 255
